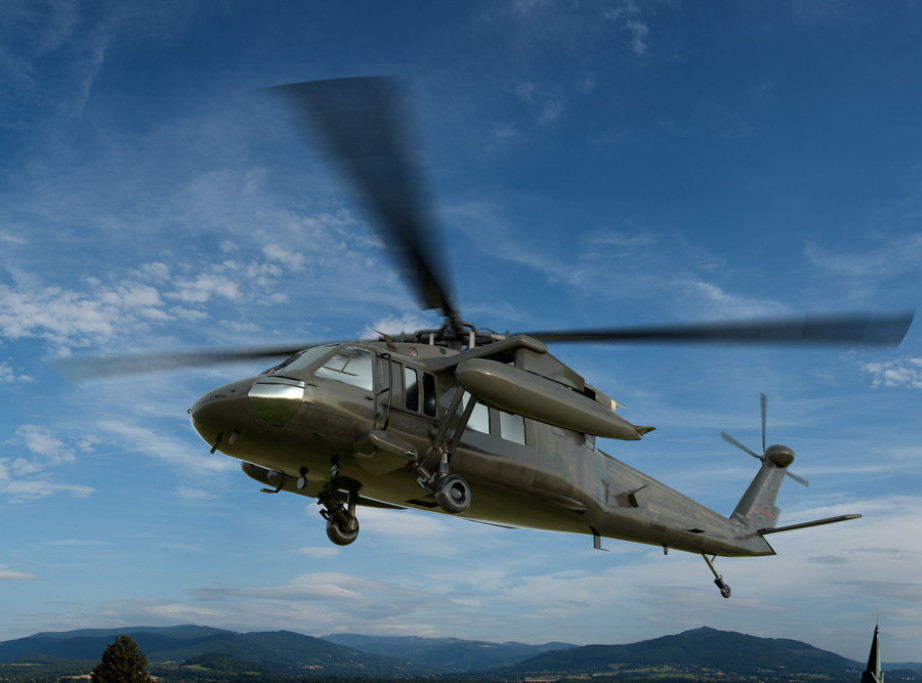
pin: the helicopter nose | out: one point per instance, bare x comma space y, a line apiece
219, 415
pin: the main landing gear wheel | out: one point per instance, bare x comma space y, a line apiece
342, 534
342, 525
453, 494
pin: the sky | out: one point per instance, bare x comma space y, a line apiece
588, 164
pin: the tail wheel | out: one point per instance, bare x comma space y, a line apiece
453, 494
342, 535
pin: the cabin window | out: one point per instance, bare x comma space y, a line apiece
429, 399
411, 389
350, 365
512, 427
480, 417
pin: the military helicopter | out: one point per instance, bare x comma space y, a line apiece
457, 419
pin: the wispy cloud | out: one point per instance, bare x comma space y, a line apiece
34, 455
10, 575
162, 446
880, 256
319, 552
627, 14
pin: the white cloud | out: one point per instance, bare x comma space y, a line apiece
285, 255
624, 9
719, 302
552, 109
639, 33
52, 313
77, 542
884, 255
41, 442
906, 372
194, 494
525, 91
10, 575
205, 287
27, 473
409, 322
626, 15
9, 376
157, 444
319, 552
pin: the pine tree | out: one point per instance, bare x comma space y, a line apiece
122, 662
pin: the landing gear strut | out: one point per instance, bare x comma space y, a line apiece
452, 492
718, 579
342, 525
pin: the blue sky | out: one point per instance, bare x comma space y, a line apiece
593, 163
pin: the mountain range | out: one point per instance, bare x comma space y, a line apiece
204, 653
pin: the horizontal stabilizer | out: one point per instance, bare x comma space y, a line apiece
805, 525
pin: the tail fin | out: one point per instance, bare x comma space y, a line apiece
756, 509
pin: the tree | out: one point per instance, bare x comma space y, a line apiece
122, 662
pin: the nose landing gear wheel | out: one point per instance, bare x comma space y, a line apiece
453, 494
342, 535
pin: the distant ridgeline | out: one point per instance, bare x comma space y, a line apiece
200, 653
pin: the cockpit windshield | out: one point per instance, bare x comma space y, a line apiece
302, 360
349, 364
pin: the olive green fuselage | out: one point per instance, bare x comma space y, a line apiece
362, 417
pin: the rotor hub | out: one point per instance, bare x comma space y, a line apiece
780, 456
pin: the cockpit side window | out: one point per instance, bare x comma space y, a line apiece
411, 389
351, 365
430, 404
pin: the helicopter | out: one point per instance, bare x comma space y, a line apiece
461, 420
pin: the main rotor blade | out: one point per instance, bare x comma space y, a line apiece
730, 439
860, 329
362, 121
82, 368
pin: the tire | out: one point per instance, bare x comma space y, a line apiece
340, 535
453, 495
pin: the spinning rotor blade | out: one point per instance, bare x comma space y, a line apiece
82, 368
763, 405
726, 437
361, 120
861, 329
800, 480
730, 439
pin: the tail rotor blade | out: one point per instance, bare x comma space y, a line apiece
763, 401
730, 439
800, 480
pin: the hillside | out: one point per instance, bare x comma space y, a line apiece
447, 654
203, 653
701, 652
284, 652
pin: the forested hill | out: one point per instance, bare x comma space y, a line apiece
203, 653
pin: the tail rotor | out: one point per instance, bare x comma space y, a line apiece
781, 456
